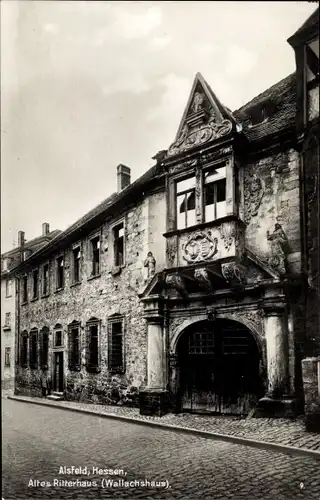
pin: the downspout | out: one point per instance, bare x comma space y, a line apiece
17, 328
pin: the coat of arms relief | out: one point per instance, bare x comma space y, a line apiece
200, 247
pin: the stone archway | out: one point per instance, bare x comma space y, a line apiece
215, 366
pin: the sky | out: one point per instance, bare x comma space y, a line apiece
88, 85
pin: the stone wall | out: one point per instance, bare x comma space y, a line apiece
101, 297
311, 385
7, 335
271, 195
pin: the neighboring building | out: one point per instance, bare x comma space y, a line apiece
9, 261
305, 43
186, 289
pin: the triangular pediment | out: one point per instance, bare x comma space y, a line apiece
204, 119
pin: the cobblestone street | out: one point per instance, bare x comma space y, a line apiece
279, 431
37, 440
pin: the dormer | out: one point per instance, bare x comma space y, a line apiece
305, 43
202, 182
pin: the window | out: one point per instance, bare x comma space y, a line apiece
58, 338
8, 320
60, 272
25, 289
44, 351
24, 349
214, 194
45, 279
76, 256
116, 345
74, 346
7, 353
93, 345
35, 283
8, 288
201, 198
95, 255
186, 202
33, 359
118, 241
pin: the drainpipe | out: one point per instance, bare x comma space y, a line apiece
17, 328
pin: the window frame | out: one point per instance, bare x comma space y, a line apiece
94, 236
58, 258
45, 293
7, 357
33, 363
185, 192
24, 349
35, 286
204, 184
44, 331
120, 368
75, 247
74, 366
93, 367
58, 329
199, 173
7, 324
9, 289
25, 289
113, 228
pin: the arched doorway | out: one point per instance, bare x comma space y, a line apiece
220, 368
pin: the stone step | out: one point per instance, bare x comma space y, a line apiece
56, 396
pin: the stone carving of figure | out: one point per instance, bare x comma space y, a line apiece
197, 102
150, 264
279, 248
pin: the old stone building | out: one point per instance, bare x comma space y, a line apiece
9, 261
185, 290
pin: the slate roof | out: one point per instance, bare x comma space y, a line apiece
309, 26
283, 97
106, 206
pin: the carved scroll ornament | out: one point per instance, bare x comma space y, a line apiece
202, 276
228, 234
253, 193
176, 282
233, 273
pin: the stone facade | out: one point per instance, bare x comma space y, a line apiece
212, 293
100, 297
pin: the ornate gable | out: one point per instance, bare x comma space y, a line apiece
204, 119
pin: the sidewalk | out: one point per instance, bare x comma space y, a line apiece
285, 435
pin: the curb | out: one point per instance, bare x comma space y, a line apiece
291, 450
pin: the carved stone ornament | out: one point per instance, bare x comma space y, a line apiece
233, 273
211, 313
228, 234
279, 249
150, 264
179, 167
200, 247
176, 282
171, 249
199, 129
253, 193
202, 276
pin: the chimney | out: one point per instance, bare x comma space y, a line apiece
45, 229
123, 177
21, 239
